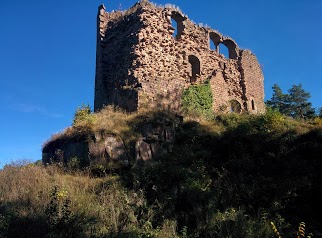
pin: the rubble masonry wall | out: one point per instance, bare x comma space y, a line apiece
142, 64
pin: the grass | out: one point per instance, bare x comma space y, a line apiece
98, 207
115, 121
226, 177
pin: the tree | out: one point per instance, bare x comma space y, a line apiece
279, 101
299, 105
319, 112
294, 104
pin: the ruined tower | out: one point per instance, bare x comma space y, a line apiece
146, 56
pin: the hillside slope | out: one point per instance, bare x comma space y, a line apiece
229, 177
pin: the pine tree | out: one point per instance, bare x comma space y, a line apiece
299, 105
294, 104
279, 101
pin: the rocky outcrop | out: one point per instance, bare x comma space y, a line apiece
97, 148
154, 140
157, 141
106, 147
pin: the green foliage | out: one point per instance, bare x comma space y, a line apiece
294, 104
3, 226
299, 105
256, 162
184, 232
235, 223
58, 213
320, 112
279, 100
74, 164
197, 99
270, 121
83, 114
317, 121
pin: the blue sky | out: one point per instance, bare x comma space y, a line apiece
47, 57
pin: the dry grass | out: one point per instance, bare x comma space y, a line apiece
113, 120
32, 184
108, 119
100, 207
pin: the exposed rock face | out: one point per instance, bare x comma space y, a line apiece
143, 60
157, 140
88, 149
107, 147
103, 148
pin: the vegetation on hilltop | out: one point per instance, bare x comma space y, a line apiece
295, 103
228, 177
112, 120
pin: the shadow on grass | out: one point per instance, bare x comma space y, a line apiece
244, 167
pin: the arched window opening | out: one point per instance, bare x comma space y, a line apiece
232, 48
214, 40
195, 67
175, 27
177, 24
212, 46
222, 49
235, 106
253, 105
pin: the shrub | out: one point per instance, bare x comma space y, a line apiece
230, 121
317, 121
58, 213
83, 114
270, 121
197, 99
235, 223
3, 226
73, 164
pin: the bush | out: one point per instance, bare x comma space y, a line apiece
270, 121
83, 114
234, 223
317, 121
197, 100
3, 226
59, 215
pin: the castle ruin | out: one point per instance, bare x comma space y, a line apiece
147, 55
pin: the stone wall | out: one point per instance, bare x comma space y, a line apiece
253, 82
146, 61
